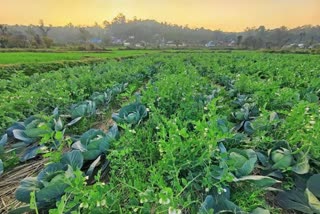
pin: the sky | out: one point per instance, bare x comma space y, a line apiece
226, 15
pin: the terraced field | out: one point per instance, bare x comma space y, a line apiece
166, 133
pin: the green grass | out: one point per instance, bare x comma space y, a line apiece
33, 57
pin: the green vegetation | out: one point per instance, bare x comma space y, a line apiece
41, 93
39, 62
40, 57
196, 132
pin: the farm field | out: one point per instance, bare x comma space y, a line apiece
231, 132
42, 57
29, 63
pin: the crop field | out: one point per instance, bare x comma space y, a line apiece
40, 57
232, 132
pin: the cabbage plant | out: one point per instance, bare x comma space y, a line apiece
305, 198
282, 158
241, 100
51, 182
117, 89
4, 140
94, 142
219, 202
244, 116
131, 114
100, 99
86, 108
244, 161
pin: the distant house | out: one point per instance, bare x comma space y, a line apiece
292, 45
301, 45
171, 44
141, 44
116, 41
232, 43
210, 44
317, 46
138, 45
126, 43
181, 45
95, 40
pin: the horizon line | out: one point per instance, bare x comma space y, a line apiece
166, 23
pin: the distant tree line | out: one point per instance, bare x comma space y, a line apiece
154, 33
25, 36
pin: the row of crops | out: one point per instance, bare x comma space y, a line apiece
197, 133
48, 132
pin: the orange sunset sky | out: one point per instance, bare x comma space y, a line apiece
227, 15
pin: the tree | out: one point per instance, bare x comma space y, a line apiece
48, 42
3, 29
253, 42
17, 40
96, 25
4, 36
119, 19
261, 29
239, 40
44, 29
311, 41
69, 25
261, 32
106, 40
84, 34
280, 36
36, 39
106, 24
302, 36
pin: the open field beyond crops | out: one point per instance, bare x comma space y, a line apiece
44, 57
